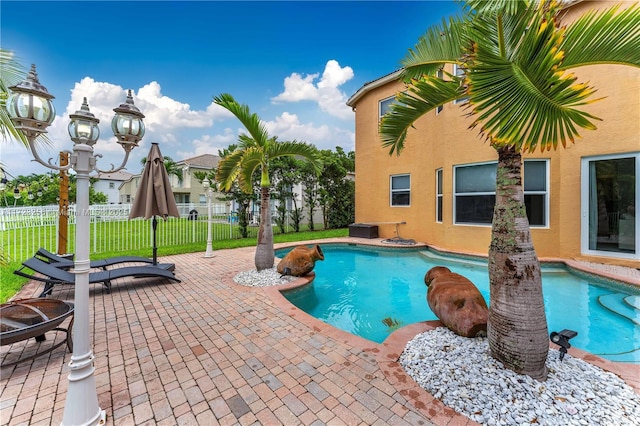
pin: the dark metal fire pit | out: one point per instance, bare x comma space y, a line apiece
25, 318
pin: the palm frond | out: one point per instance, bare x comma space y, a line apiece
228, 169
296, 149
246, 141
525, 108
607, 37
249, 120
423, 96
11, 73
251, 160
518, 95
506, 7
438, 46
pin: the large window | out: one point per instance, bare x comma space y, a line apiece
439, 195
400, 194
475, 192
610, 199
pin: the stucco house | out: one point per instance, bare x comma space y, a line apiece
581, 200
187, 190
109, 184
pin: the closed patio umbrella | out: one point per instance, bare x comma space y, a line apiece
154, 197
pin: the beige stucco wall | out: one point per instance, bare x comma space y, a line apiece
445, 140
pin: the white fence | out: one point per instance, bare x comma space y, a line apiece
25, 229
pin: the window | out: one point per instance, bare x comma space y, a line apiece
441, 107
385, 105
439, 196
535, 191
459, 72
400, 190
112, 185
609, 192
475, 192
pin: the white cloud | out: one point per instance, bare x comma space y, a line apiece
208, 144
288, 127
325, 93
166, 121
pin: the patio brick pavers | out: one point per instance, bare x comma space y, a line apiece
208, 351
203, 351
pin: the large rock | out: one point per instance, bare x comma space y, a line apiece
457, 302
300, 261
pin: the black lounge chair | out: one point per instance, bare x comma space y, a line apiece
52, 275
67, 262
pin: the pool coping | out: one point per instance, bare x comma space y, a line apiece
388, 352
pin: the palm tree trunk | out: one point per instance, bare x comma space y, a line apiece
517, 327
264, 251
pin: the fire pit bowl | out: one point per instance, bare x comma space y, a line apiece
25, 318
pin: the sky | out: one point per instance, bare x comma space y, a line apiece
294, 63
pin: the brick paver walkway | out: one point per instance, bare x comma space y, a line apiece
207, 351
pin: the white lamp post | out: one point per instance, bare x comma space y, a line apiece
31, 111
208, 192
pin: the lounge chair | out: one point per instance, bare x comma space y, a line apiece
67, 262
51, 275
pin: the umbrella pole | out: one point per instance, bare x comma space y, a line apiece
154, 223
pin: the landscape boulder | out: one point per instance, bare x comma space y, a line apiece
457, 302
300, 261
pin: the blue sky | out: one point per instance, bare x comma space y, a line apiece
294, 63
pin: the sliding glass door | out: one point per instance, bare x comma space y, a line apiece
610, 222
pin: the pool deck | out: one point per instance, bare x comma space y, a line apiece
209, 351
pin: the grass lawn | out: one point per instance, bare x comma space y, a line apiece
10, 283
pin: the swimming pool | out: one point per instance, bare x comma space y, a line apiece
370, 292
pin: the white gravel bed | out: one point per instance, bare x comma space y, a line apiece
264, 278
460, 372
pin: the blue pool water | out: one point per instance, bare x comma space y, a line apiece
370, 292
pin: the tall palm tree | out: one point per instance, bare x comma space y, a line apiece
255, 151
516, 55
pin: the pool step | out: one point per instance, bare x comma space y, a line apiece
633, 301
621, 304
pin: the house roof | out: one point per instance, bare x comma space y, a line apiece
367, 87
119, 175
205, 161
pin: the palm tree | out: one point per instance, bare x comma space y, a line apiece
516, 55
255, 151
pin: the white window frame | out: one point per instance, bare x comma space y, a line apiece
584, 206
439, 195
388, 101
458, 71
545, 192
392, 191
441, 107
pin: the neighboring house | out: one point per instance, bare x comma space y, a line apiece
109, 184
582, 200
187, 191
